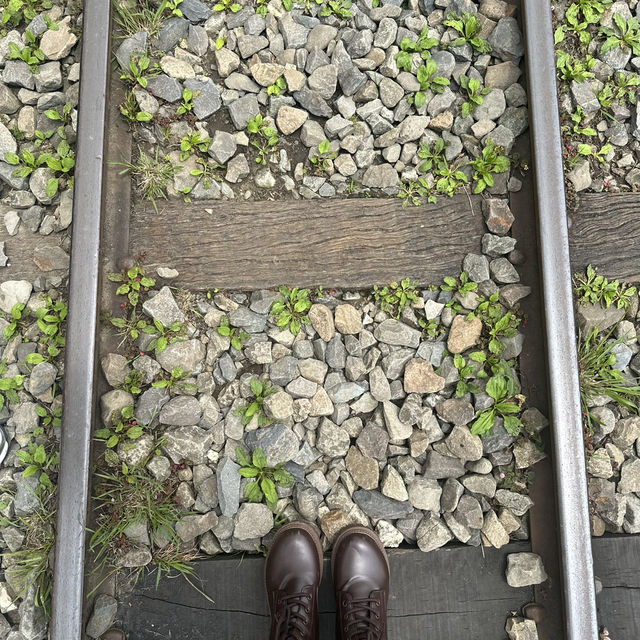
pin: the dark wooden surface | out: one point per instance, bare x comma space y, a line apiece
335, 243
617, 564
454, 593
604, 232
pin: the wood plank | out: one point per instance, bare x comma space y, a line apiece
603, 233
21, 248
617, 564
457, 593
351, 243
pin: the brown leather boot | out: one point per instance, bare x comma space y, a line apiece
361, 582
292, 575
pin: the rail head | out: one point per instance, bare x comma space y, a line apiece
82, 323
564, 391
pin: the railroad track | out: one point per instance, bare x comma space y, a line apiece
566, 547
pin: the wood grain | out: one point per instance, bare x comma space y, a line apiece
453, 593
604, 232
616, 561
351, 243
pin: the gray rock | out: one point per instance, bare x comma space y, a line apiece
150, 403
43, 375
6, 176
163, 307
188, 443
517, 503
26, 499
492, 107
173, 30
585, 96
8, 102
476, 266
17, 73
228, 486
190, 527
49, 77
223, 147
506, 40
396, 333
376, 505
293, 33
181, 411
360, 44
136, 44
247, 320
33, 621
278, 442
484, 485
324, 80
381, 176
194, 10
188, 355
432, 533
424, 493
313, 102
103, 615
630, 476
207, 98
503, 272
242, 110
524, 570
373, 441
165, 88
252, 521
333, 441
439, 467
13, 292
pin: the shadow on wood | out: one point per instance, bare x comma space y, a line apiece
454, 593
334, 243
603, 233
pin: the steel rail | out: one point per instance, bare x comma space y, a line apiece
564, 391
82, 324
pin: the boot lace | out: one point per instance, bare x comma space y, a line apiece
365, 614
295, 623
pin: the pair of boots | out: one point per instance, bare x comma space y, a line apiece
360, 578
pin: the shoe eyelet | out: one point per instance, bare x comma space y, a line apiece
344, 603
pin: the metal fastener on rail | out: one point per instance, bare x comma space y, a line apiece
564, 392
82, 323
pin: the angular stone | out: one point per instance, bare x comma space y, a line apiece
228, 480
322, 321
103, 615
188, 355
524, 570
278, 442
630, 476
424, 493
376, 505
438, 466
57, 44
253, 520
521, 629
190, 527
484, 485
419, 377
397, 429
506, 40
163, 307
392, 485
333, 441
348, 319
181, 411
396, 333
363, 470
290, 119
432, 533
188, 443
463, 334
493, 532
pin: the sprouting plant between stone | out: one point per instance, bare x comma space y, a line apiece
265, 478
291, 311
592, 288
260, 390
